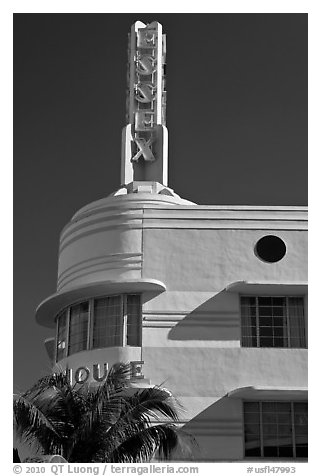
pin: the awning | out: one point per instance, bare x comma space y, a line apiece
50, 307
269, 393
268, 288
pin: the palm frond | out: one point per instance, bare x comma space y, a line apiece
142, 446
117, 379
54, 398
98, 422
33, 426
103, 407
118, 376
151, 403
138, 412
95, 423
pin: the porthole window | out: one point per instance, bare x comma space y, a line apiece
270, 249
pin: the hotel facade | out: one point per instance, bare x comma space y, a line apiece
209, 301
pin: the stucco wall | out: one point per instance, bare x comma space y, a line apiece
209, 260
191, 331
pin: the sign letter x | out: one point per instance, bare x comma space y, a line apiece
144, 149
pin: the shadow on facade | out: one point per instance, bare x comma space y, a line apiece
218, 432
217, 319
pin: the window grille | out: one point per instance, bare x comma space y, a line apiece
276, 429
78, 328
107, 322
103, 322
133, 314
273, 321
61, 335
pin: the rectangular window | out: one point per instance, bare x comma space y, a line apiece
276, 429
112, 321
61, 336
133, 312
117, 321
273, 321
78, 328
107, 330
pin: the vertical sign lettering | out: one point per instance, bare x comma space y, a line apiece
146, 89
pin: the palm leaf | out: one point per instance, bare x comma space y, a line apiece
34, 427
149, 404
102, 410
138, 412
97, 422
141, 446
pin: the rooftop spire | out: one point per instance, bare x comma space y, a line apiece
144, 138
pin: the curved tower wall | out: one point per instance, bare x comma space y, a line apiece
190, 264
177, 288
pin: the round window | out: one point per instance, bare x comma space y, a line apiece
270, 249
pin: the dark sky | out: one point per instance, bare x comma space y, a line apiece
236, 114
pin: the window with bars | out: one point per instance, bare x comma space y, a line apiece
104, 322
78, 328
61, 335
273, 321
107, 328
276, 429
133, 319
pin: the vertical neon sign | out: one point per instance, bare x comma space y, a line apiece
144, 141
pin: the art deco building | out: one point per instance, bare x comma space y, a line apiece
211, 300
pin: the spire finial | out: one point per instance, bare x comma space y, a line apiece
144, 138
